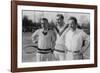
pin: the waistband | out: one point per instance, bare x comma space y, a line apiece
78, 51
44, 51
62, 51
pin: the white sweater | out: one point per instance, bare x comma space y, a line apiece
44, 41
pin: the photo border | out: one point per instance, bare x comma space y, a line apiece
14, 33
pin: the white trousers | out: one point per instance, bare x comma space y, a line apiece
59, 55
73, 56
44, 57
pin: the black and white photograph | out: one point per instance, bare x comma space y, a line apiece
50, 36
55, 36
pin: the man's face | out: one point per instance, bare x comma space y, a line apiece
59, 20
44, 24
72, 24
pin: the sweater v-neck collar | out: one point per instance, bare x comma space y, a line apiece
45, 32
62, 31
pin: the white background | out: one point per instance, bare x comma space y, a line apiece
5, 38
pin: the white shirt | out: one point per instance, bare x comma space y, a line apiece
44, 41
74, 40
60, 42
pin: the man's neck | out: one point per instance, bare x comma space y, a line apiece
74, 29
45, 29
61, 25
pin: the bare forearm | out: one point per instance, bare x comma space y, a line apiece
85, 47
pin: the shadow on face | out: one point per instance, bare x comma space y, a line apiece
72, 24
44, 23
60, 19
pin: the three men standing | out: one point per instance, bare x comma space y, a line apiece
65, 42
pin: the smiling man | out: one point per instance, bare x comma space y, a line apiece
74, 41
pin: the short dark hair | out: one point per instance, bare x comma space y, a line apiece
60, 15
44, 19
73, 18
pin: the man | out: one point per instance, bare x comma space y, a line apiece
46, 41
61, 28
74, 41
